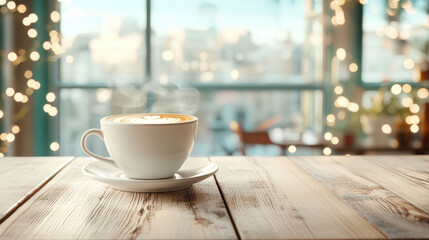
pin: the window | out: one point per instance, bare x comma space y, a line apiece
220, 60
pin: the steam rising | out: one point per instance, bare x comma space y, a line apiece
156, 98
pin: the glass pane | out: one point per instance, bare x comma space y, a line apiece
103, 41
231, 41
396, 41
264, 110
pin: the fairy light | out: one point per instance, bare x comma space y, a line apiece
47, 45
422, 93
1, 155
36, 85
33, 18
26, 21
327, 136
54, 146
11, 5
18, 97
414, 108
335, 140
12, 56
2, 2
3, 136
53, 111
32, 33
50, 97
69, 59
341, 54
353, 107
386, 128
234, 74
21, 8
406, 88
327, 151
415, 119
1, 114
291, 149
353, 67
167, 55
330, 118
10, 92
24, 99
363, 1
342, 102
396, 89
338, 90
409, 63
47, 107
407, 102
34, 56
414, 128
341, 115
16, 129
55, 16
10, 137
28, 74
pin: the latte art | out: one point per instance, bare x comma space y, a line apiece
150, 118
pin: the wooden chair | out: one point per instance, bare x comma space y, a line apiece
257, 137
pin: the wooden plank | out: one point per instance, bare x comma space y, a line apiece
73, 206
390, 213
414, 168
21, 177
272, 198
410, 189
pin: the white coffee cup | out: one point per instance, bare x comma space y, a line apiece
146, 146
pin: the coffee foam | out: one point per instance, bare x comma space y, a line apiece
150, 118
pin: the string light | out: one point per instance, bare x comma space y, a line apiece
55, 16
338, 90
53, 111
11, 5
50, 97
327, 136
414, 108
341, 54
10, 137
2, 2
414, 128
26, 21
327, 151
1, 114
28, 74
33, 18
167, 55
234, 74
291, 149
386, 128
353, 67
12, 56
34, 56
21, 8
422, 93
353, 107
55, 146
396, 89
342, 102
409, 64
406, 88
16, 129
18, 97
335, 140
330, 118
3, 136
69, 59
10, 92
407, 102
32, 33
1, 154
47, 45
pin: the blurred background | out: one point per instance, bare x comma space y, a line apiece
264, 77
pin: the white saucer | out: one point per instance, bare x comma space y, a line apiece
193, 170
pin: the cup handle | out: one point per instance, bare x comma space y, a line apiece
98, 133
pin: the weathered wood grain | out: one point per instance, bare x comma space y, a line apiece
272, 198
73, 206
411, 189
20, 177
390, 213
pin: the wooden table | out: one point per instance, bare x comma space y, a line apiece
372, 197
